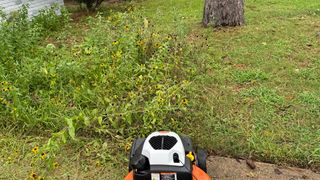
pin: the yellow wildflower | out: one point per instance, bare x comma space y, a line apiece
98, 163
33, 175
160, 100
55, 165
43, 156
140, 43
35, 149
87, 51
117, 55
158, 45
115, 43
40, 178
127, 28
4, 83
127, 147
185, 101
159, 86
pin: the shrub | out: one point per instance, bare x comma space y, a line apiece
52, 19
19, 35
91, 4
122, 80
19, 53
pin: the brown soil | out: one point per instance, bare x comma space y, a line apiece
221, 168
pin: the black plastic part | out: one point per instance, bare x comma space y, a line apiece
142, 175
187, 143
136, 149
176, 158
183, 172
162, 142
140, 163
202, 159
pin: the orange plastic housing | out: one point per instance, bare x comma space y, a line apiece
129, 176
197, 174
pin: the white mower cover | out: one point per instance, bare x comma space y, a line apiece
163, 156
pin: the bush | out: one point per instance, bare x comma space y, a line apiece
19, 53
91, 4
19, 35
52, 19
122, 80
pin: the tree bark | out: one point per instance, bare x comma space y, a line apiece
98, 3
223, 13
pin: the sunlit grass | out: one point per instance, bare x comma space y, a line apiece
258, 86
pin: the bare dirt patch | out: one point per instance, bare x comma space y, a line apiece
221, 168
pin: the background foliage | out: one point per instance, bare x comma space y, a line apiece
95, 83
121, 80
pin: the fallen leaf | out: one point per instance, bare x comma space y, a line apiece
251, 164
277, 171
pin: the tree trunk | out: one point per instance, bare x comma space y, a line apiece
223, 13
98, 3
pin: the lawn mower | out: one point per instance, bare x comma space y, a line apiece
165, 155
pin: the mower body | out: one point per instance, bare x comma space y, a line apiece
165, 155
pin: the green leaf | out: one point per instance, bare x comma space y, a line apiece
100, 120
86, 121
64, 138
71, 129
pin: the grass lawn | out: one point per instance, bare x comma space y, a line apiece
255, 90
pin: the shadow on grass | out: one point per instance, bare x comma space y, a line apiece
79, 11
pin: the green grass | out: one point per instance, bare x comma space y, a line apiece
76, 161
257, 88
254, 89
